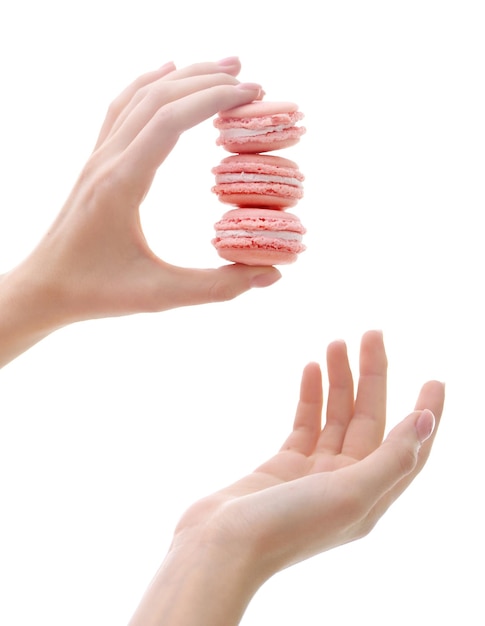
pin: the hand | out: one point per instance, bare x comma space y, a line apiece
95, 261
329, 486
325, 487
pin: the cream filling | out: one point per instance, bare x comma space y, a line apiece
230, 133
244, 177
276, 234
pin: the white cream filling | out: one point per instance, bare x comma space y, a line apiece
244, 177
276, 234
230, 133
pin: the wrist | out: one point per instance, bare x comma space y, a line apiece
29, 311
202, 582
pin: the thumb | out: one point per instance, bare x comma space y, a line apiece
396, 457
198, 286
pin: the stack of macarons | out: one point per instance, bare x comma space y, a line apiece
260, 186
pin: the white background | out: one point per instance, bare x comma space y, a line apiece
110, 429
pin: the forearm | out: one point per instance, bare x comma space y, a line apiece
29, 311
199, 585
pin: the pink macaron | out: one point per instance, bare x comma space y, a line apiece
259, 237
258, 180
259, 127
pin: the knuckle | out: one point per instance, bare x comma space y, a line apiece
222, 291
114, 109
406, 457
102, 179
223, 79
157, 94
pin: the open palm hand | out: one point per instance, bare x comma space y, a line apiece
326, 486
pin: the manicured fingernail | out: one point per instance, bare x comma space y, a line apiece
425, 425
228, 61
266, 279
341, 342
167, 66
249, 87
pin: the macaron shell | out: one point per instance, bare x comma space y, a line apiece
278, 111
260, 220
265, 163
270, 196
257, 256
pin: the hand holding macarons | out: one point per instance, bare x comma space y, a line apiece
95, 261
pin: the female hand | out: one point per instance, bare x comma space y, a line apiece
95, 261
325, 487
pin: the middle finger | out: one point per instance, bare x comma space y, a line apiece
156, 97
366, 429
229, 67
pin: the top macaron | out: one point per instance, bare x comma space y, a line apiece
259, 127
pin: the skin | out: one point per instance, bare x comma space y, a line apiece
325, 487
94, 261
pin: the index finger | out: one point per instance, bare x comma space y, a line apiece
155, 141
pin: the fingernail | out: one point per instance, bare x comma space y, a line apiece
249, 87
425, 425
228, 61
266, 279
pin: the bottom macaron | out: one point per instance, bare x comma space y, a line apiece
259, 237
